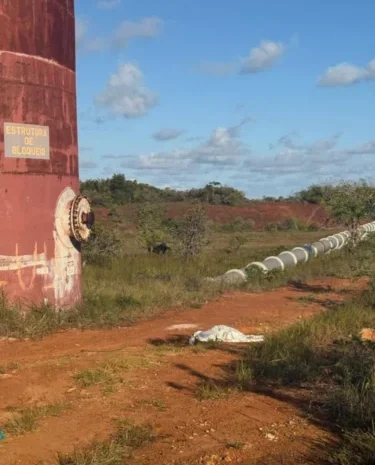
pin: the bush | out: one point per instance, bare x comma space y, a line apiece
150, 225
192, 232
103, 244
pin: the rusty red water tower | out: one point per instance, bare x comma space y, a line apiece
43, 217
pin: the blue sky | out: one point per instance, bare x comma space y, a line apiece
266, 96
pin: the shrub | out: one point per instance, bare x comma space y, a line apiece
192, 232
103, 244
150, 225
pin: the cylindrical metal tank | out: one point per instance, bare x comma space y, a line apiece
43, 216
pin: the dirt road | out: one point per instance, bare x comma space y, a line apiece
147, 373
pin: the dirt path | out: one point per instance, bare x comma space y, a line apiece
151, 375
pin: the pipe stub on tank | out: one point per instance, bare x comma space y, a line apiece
81, 218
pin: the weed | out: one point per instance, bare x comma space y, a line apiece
112, 451
130, 435
27, 420
244, 375
209, 390
235, 445
357, 448
86, 378
108, 373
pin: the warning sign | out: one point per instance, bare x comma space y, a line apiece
26, 141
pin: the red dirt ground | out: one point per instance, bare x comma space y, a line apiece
261, 213
160, 385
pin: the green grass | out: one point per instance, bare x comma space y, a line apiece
357, 448
109, 372
114, 450
326, 354
86, 378
209, 390
28, 419
138, 286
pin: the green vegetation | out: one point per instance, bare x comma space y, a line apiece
121, 290
350, 204
208, 390
109, 372
113, 451
28, 419
291, 224
327, 354
118, 191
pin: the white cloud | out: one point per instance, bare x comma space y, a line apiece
310, 159
223, 148
167, 134
345, 74
262, 57
81, 28
125, 93
128, 30
108, 4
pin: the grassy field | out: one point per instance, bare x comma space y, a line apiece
327, 355
138, 285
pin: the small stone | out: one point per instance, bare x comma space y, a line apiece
72, 389
271, 437
12, 339
212, 430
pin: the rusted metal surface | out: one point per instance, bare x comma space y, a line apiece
38, 87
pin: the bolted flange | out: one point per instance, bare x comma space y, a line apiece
81, 218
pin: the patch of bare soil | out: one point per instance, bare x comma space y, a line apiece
149, 374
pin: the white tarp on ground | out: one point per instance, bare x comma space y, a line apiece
223, 333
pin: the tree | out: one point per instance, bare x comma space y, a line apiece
350, 203
313, 194
192, 232
150, 229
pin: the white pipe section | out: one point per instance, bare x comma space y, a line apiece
302, 254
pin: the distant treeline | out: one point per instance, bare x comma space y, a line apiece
118, 190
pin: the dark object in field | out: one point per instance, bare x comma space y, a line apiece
160, 249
